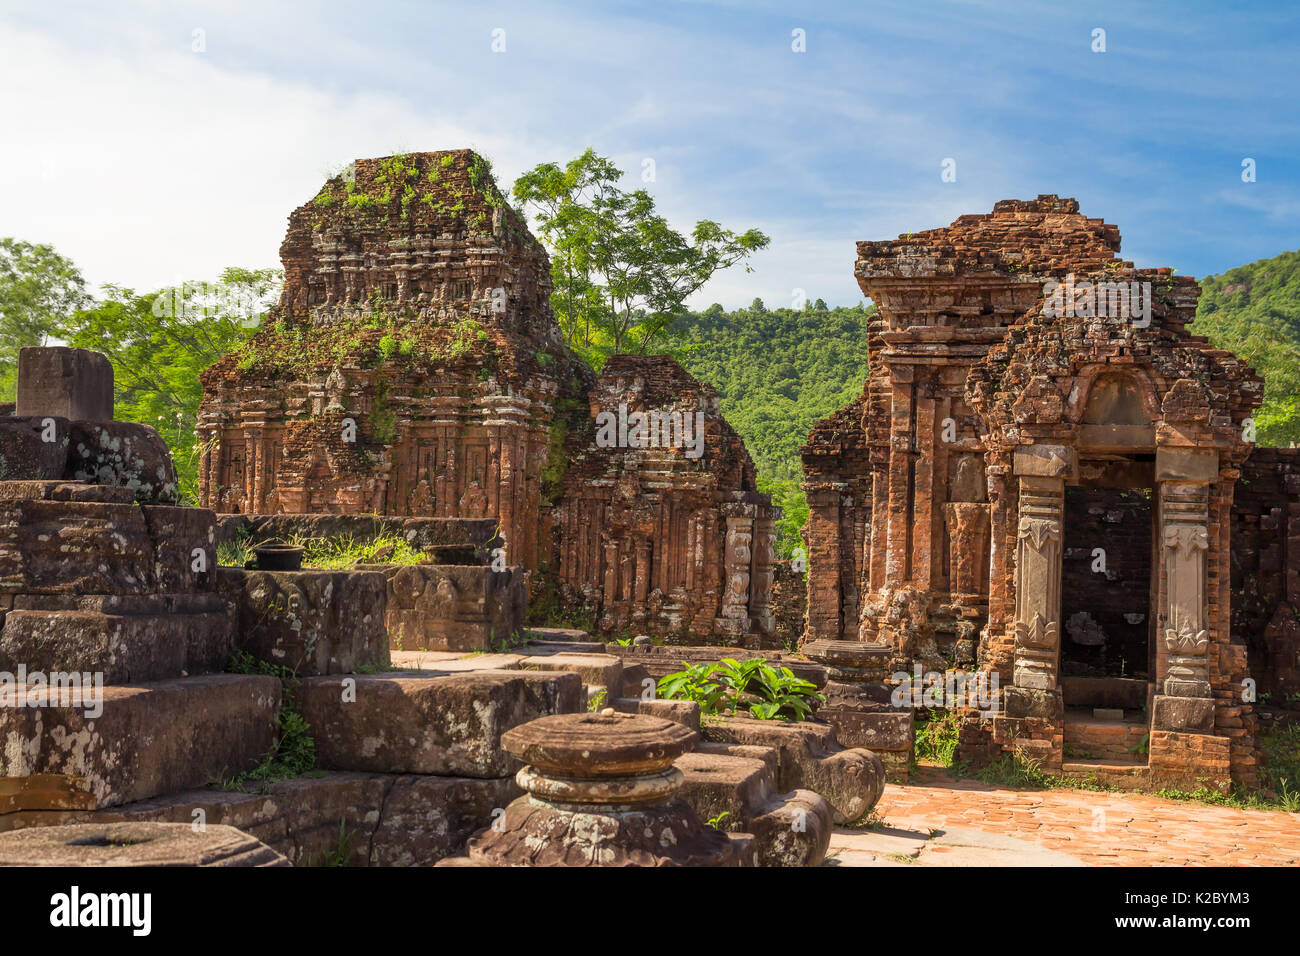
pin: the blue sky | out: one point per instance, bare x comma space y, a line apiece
148, 162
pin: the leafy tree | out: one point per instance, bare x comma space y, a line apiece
1254, 311
160, 342
38, 288
621, 273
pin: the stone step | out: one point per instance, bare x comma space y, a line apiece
554, 634
564, 647
1090, 739
312, 622
185, 635
148, 740
602, 670
810, 758
447, 724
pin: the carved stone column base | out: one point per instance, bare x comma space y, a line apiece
1034, 674
1175, 687
1191, 714
1021, 702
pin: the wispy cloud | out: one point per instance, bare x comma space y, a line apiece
147, 162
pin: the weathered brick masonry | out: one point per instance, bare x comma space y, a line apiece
959, 501
413, 367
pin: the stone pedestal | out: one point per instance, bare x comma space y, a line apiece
858, 701
602, 791
62, 382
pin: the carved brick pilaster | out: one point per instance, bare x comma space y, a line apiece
1184, 540
1038, 581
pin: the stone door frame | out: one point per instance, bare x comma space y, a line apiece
1181, 612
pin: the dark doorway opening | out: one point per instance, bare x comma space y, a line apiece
1106, 582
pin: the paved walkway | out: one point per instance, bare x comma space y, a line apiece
941, 820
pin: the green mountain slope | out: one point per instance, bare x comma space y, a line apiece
779, 372
1254, 311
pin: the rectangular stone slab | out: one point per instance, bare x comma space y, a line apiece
389, 820
150, 739
443, 724
124, 648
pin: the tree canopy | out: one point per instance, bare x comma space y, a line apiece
38, 288
621, 273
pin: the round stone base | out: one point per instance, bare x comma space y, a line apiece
533, 833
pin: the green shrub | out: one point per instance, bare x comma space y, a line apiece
754, 686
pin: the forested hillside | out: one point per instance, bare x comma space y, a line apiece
1254, 311
779, 372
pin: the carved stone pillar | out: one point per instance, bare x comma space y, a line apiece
739, 560
1184, 700
760, 588
1042, 470
1182, 626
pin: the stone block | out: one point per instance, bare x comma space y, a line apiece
312, 622
809, 757
426, 819
125, 454
1190, 714
26, 453
150, 739
872, 731
453, 607
123, 647
600, 670
791, 829
1186, 464
80, 547
684, 712
134, 844
442, 724
1020, 702
1046, 461
185, 547
65, 382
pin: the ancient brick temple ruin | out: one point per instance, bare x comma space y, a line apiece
673, 540
1038, 480
413, 367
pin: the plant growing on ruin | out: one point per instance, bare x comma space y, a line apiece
294, 752
341, 851
937, 738
754, 686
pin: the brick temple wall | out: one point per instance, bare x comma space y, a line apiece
1266, 568
655, 540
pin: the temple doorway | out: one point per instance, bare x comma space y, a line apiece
1107, 664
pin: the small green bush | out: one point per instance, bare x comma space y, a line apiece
754, 686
